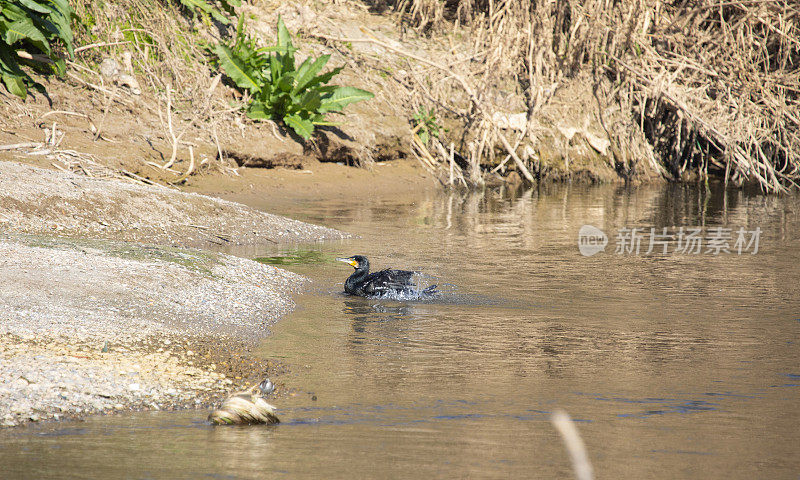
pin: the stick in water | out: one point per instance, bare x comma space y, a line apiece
575, 446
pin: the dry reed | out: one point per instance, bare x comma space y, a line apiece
713, 86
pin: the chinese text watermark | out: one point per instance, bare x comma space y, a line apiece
671, 240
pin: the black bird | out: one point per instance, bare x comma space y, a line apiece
365, 284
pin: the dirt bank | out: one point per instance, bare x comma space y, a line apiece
88, 123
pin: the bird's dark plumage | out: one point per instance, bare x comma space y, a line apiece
365, 284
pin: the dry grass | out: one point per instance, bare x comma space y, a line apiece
161, 50
714, 86
682, 88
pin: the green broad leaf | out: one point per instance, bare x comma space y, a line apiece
286, 82
59, 23
342, 97
267, 49
26, 30
301, 126
305, 75
62, 6
324, 78
284, 38
35, 6
274, 69
303, 68
228, 5
287, 61
240, 33
326, 90
257, 111
13, 12
235, 69
60, 67
218, 16
15, 85
310, 102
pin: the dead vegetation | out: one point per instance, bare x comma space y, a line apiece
527, 90
141, 67
713, 86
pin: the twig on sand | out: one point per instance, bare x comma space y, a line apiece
16, 146
171, 131
60, 167
137, 177
176, 139
116, 96
575, 446
188, 171
101, 44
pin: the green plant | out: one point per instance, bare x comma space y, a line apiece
29, 30
298, 97
207, 9
426, 124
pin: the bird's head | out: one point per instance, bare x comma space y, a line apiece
356, 261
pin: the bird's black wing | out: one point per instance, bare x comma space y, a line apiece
387, 281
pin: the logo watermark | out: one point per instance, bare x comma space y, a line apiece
674, 240
591, 240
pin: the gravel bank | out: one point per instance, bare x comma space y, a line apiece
39, 201
96, 326
93, 320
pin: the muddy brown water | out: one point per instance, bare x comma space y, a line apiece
674, 366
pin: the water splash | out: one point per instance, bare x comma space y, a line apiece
423, 289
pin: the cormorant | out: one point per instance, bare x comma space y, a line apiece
365, 284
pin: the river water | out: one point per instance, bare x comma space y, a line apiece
674, 365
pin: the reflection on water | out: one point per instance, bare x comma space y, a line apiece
675, 366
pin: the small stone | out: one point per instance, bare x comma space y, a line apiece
109, 67
118, 406
134, 387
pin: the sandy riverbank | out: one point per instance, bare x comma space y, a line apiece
104, 309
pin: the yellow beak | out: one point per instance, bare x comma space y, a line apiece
348, 261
